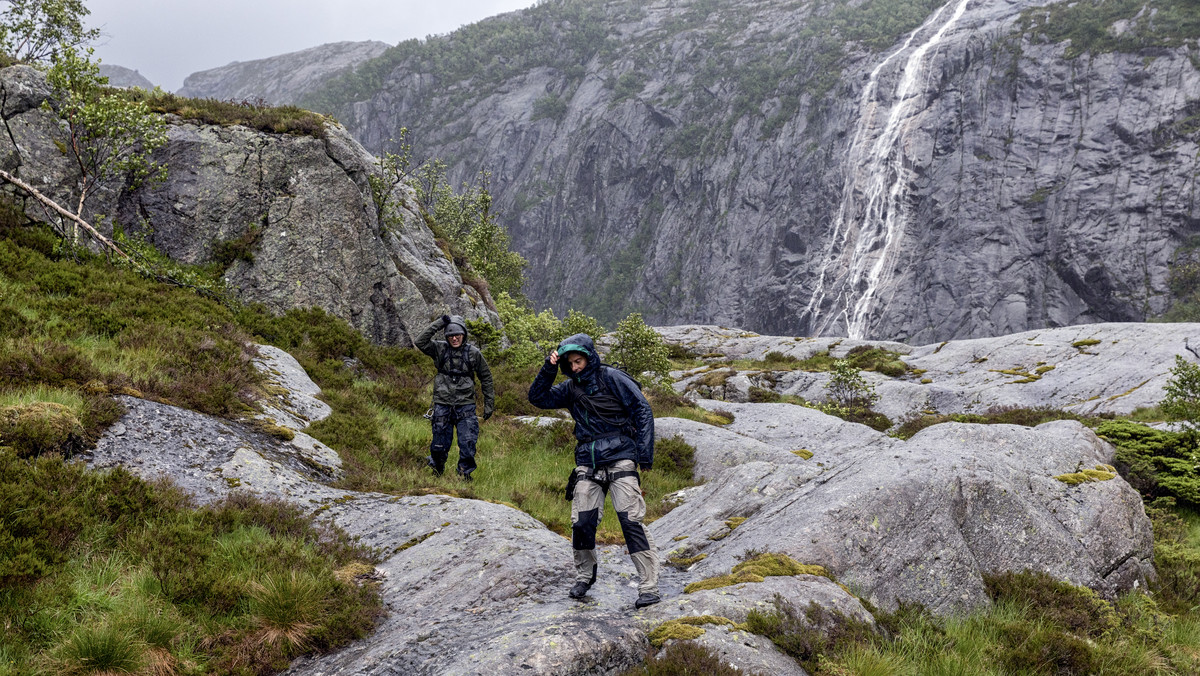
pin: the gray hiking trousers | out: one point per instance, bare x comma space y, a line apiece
586, 509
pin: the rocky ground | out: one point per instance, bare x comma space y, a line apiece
474, 587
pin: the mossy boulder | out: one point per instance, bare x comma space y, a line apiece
41, 427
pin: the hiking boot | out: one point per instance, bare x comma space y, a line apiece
647, 599
579, 590
465, 477
437, 471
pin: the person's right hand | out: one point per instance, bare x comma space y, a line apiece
445, 320
553, 357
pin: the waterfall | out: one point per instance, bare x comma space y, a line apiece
869, 224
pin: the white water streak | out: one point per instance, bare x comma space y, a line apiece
876, 171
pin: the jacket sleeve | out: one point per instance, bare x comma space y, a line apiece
425, 341
485, 381
543, 393
640, 415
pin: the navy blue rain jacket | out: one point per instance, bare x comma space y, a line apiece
601, 440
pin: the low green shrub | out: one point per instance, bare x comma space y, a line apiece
1155, 462
1077, 610
870, 358
998, 415
675, 456
684, 657
254, 114
1176, 558
809, 635
41, 427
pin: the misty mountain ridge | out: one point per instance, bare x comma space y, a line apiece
898, 169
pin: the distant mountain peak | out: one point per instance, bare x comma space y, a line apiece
279, 79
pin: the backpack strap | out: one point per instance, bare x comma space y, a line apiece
443, 362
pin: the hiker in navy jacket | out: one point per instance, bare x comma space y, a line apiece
614, 431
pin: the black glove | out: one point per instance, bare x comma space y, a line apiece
445, 320
488, 411
645, 467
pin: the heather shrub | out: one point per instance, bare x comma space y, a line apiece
809, 634
676, 456
41, 427
1077, 610
684, 657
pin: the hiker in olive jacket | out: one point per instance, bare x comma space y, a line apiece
458, 364
614, 431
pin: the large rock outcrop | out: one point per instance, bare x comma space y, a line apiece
1090, 369
279, 79
912, 521
301, 210
797, 168
477, 587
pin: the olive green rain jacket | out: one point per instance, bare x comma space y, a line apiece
454, 384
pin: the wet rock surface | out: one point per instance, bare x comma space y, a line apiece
475, 587
1089, 369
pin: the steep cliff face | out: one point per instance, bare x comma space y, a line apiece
295, 216
279, 79
905, 170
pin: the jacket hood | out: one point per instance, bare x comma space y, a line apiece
456, 326
581, 343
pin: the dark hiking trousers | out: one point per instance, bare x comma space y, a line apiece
446, 419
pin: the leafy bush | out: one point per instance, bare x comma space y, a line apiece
848, 389
531, 335
1182, 400
640, 350
549, 107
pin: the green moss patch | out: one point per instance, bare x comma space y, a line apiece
756, 570
1100, 473
684, 561
684, 628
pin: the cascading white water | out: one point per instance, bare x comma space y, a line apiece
870, 221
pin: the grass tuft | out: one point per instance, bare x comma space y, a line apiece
286, 607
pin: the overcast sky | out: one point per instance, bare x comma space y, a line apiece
167, 40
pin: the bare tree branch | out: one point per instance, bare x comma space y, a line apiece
33, 192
